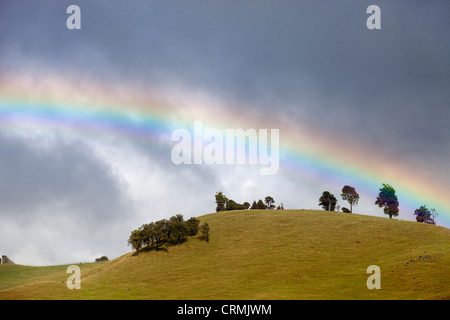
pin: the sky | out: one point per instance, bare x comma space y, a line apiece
353, 106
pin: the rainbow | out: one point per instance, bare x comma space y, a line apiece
140, 116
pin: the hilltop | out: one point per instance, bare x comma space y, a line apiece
264, 254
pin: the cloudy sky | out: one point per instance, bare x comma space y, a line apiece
68, 197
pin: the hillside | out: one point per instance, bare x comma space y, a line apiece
289, 254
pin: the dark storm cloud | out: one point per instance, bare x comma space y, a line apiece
381, 84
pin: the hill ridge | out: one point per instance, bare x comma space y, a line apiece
274, 254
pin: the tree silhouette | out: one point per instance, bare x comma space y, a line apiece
327, 201
221, 201
269, 202
260, 205
350, 195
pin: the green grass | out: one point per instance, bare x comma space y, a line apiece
290, 254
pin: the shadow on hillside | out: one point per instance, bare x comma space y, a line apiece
150, 248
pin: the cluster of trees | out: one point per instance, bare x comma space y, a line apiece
423, 214
5, 259
224, 204
102, 259
386, 199
165, 232
329, 202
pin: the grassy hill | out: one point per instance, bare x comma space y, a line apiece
290, 254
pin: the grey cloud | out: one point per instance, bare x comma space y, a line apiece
56, 197
66, 172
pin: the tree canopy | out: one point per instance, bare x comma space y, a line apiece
269, 202
387, 199
221, 201
174, 231
327, 201
350, 195
423, 214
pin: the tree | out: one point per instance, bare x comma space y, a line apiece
135, 240
327, 201
161, 233
102, 259
5, 260
192, 226
280, 207
233, 205
269, 202
177, 231
147, 233
221, 201
253, 207
424, 215
260, 205
387, 199
345, 210
350, 195
434, 214
246, 205
204, 229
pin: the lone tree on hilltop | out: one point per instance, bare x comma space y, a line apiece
221, 201
350, 195
327, 201
269, 202
387, 199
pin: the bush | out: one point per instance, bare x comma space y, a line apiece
102, 259
204, 229
346, 210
